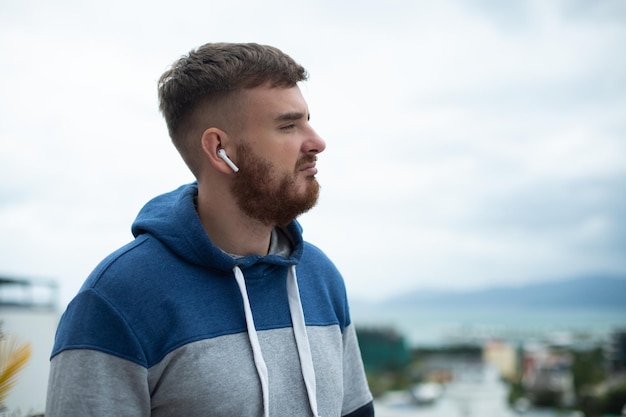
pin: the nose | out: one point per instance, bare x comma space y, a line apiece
314, 143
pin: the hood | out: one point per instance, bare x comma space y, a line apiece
173, 220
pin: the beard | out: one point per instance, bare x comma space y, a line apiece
263, 196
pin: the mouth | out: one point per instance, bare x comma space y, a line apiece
308, 166
309, 169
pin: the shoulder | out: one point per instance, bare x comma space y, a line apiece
130, 257
92, 322
316, 263
135, 296
312, 255
94, 318
322, 288
143, 267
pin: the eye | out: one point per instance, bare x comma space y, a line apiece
288, 127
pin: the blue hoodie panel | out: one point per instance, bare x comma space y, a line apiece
322, 290
113, 335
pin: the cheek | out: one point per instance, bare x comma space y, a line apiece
287, 158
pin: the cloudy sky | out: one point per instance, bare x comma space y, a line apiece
470, 143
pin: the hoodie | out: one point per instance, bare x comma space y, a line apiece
171, 325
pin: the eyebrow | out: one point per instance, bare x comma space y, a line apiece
292, 116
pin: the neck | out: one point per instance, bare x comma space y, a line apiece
228, 228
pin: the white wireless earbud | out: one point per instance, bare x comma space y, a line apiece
222, 154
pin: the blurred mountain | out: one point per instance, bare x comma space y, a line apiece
592, 291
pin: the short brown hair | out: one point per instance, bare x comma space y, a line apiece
211, 72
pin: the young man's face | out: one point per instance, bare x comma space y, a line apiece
276, 156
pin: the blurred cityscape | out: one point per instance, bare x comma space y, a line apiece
477, 370
569, 375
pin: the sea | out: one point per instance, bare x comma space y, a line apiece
432, 327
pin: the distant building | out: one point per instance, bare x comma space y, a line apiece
21, 293
547, 376
616, 351
29, 312
503, 357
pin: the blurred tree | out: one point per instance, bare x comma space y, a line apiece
383, 350
386, 358
587, 368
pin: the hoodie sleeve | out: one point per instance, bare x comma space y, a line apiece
87, 382
358, 401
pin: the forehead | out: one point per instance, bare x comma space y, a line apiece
272, 103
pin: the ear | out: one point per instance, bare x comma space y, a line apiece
214, 139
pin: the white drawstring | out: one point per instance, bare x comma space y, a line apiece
299, 330
302, 339
259, 362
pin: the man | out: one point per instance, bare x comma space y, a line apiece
218, 307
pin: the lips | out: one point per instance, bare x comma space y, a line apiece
308, 165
